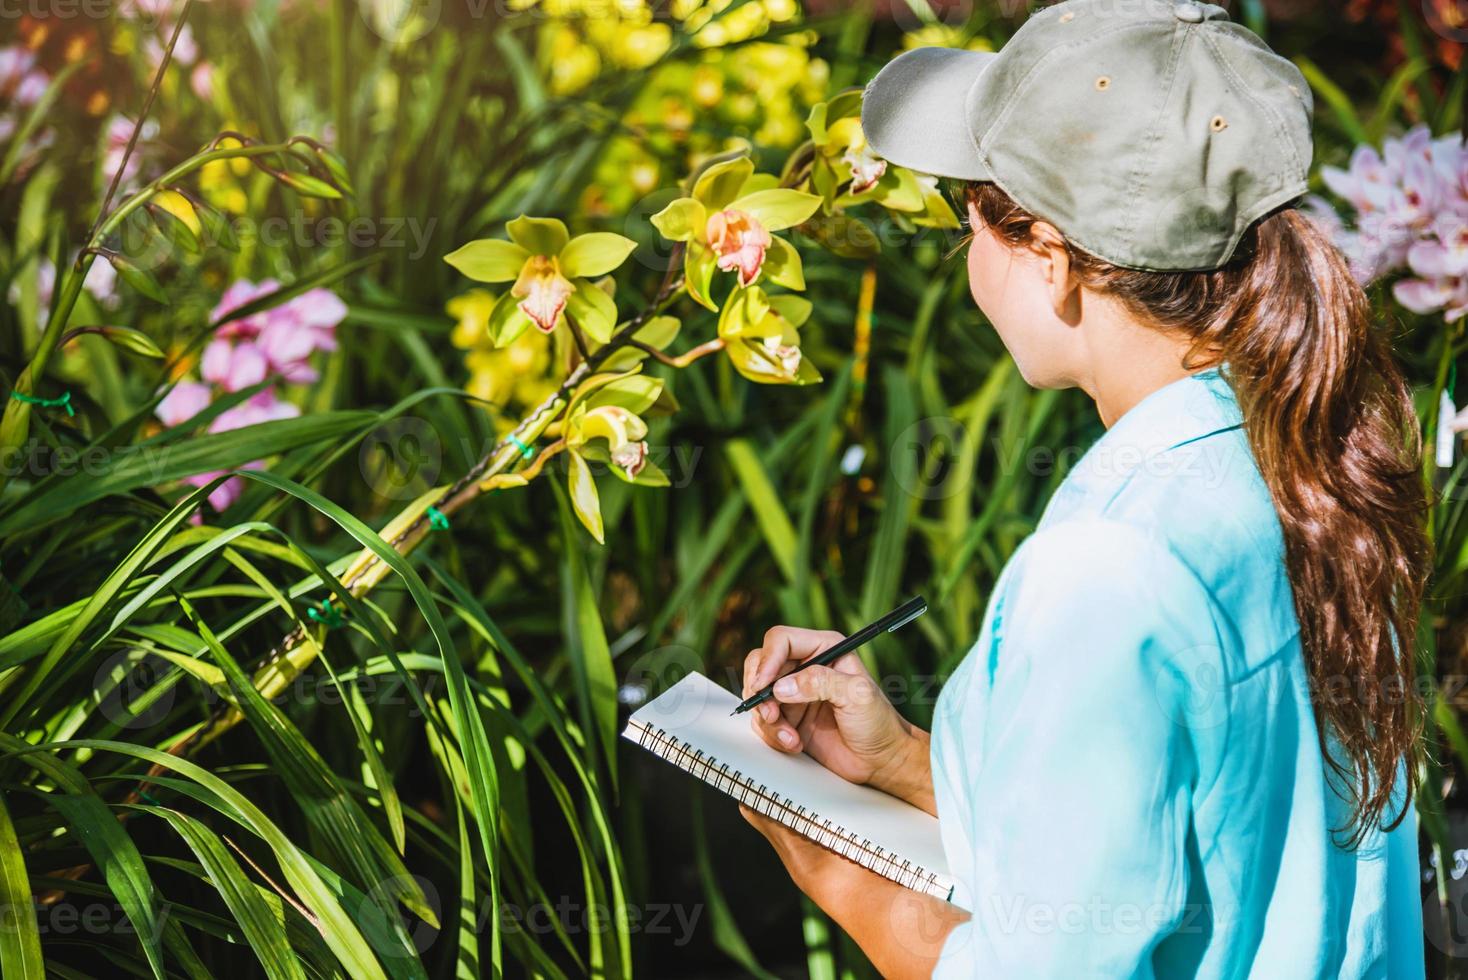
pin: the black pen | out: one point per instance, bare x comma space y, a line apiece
897, 618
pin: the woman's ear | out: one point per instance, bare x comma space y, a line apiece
1048, 246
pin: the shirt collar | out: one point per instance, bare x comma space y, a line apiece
1174, 415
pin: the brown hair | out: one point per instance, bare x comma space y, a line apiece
1332, 428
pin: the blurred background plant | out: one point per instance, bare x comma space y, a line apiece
215, 736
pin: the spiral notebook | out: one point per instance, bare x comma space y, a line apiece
690, 726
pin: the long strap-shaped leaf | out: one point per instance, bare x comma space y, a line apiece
20, 937
336, 927
112, 850
484, 781
263, 929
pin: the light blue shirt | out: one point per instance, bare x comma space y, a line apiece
1128, 775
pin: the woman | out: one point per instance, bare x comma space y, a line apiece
1180, 745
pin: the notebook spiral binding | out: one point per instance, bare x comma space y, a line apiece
764, 800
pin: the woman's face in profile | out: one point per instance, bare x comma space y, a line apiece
1011, 285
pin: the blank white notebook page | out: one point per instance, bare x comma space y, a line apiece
690, 725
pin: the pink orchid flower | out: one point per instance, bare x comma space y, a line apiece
1364, 184
739, 241
234, 366
240, 292
299, 328
185, 400
1431, 295
1443, 254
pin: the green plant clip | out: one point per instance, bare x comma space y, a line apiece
63, 402
525, 449
326, 614
437, 519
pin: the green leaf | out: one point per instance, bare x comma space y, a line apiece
681, 221
263, 925
764, 499
329, 808
782, 264
484, 779
1393, 94
151, 466
539, 236
308, 186
489, 260
111, 849
20, 936
593, 310
1340, 103
336, 928
591, 656
778, 208
584, 498
138, 278
595, 254
719, 184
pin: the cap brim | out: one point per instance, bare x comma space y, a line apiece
914, 112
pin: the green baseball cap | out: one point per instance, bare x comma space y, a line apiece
1152, 134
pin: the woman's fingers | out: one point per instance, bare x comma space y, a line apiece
779, 733
767, 720
785, 647
841, 689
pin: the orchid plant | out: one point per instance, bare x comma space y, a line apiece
1410, 204
732, 263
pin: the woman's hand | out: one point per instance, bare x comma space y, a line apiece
901, 931
837, 715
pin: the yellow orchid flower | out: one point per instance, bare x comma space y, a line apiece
845, 170
551, 272
759, 334
604, 424
727, 223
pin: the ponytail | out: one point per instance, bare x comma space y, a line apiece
1332, 428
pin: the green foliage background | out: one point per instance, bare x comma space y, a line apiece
447, 756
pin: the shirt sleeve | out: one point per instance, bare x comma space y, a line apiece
1082, 758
